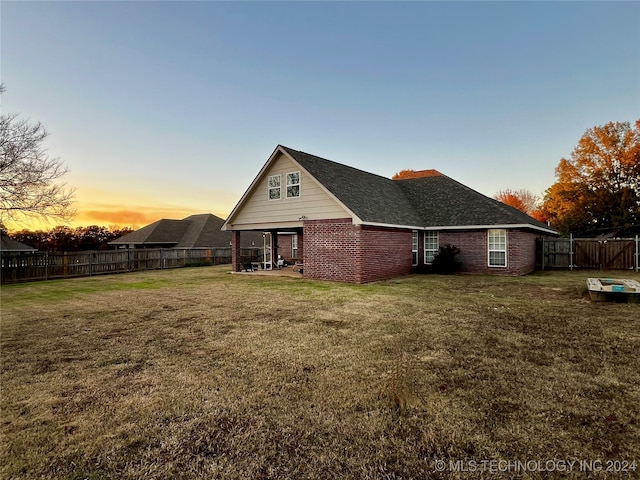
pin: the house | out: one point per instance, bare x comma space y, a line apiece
349, 225
8, 245
195, 231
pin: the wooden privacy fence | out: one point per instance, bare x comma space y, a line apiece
588, 253
20, 267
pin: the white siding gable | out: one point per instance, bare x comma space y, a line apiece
258, 212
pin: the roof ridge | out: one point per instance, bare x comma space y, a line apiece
200, 222
429, 200
333, 161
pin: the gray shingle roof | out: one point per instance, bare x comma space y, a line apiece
195, 231
442, 201
10, 245
371, 197
433, 201
163, 231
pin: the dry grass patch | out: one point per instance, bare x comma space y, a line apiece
195, 373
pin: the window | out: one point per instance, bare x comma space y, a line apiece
497, 248
430, 246
414, 248
274, 187
294, 246
293, 184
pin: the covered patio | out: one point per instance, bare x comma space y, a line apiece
281, 251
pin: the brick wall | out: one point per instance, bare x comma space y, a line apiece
383, 253
338, 250
521, 251
284, 247
330, 248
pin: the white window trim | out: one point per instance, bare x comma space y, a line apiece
269, 187
414, 247
429, 262
294, 245
506, 248
299, 185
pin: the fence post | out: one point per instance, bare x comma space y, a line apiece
46, 265
571, 251
90, 263
637, 253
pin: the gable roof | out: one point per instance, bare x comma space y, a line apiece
373, 198
195, 231
433, 200
10, 245
163, 231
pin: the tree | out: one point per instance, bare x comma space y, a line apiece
408, 173
29, 177
65, 239
523, 200
598, 188
37, 239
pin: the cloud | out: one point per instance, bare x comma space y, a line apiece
117, 217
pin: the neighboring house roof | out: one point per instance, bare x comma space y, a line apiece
195, 231
433, 200
163, 231
9, 245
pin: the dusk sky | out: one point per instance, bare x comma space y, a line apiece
165, 109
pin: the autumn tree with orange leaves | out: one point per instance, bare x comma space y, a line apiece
598, 187
523, 200
408, 173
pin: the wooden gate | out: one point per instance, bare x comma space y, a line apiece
588, 253
617, 255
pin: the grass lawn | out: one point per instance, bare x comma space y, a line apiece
196, 373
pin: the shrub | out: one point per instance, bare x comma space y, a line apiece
444, 262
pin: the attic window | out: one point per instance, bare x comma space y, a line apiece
293, 184
274, 187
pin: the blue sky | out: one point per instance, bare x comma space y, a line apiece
164, 109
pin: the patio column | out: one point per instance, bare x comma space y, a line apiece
274, 249
235, 251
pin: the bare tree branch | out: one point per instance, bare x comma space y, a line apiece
30, 184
